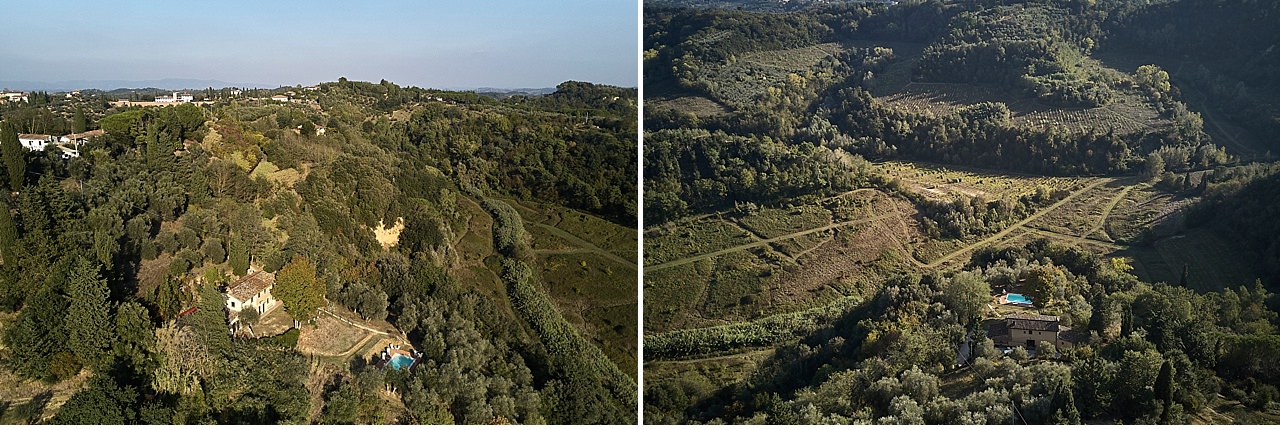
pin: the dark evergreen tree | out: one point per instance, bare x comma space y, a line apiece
1164, 390
89, 325
37, 335
13, 154
78, 121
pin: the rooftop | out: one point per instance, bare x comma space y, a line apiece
85, 135
246, 287
1032, 322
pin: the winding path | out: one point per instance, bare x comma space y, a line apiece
762, 242
1106, 211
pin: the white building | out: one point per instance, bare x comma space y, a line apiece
252, 292
280, 98
175, 98
68, 153
35, 142
13, 97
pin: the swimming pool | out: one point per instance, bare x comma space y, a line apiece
400, 361
1017, 298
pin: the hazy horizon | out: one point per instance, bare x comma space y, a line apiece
498, 44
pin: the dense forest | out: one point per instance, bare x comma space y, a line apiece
756, 106
114, 262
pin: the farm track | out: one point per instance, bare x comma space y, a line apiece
995, 237
1106, 211
1074, 240
585, 245
762, 242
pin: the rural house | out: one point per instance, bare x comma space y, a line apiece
13, 97
252, 292
79, 138
280, 98
175, 98
1027, 329
35, 142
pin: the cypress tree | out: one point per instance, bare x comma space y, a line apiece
78, 122
238, 256
8, 235
1164, 390
13, 154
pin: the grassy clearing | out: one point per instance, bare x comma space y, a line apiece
736, 292
798, 246
1079, 217
797, 58
585, 268
671, 296
610, 237
715, 371
1144, 208
943, 182
613, 238
598, 297
699, 237
330, 336
774, 222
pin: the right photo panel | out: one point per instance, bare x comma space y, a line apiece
961, 212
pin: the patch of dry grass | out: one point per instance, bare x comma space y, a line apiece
389, 237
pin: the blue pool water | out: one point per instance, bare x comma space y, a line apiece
401, 362
1018, 298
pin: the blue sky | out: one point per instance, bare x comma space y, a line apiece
440, 44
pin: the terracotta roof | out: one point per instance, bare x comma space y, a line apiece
245, 288
1032, 322
34, 136
86, 134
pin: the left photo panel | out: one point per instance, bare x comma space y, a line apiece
315, 213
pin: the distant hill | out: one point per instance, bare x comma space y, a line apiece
111, 84
501, 93
756, 5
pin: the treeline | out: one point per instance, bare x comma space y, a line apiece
768, 331
691, 171
984, 135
